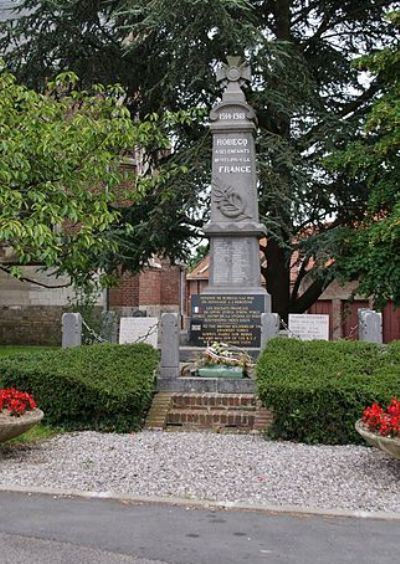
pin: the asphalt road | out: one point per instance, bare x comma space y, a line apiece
42, 529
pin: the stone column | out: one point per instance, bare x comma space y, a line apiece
230, 308
71, 330
169, 342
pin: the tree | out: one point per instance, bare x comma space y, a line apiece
60, 173
371, 253
309, 99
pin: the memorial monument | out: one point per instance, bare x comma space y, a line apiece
230, 308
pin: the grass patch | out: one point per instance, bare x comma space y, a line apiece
6, 350
38, 433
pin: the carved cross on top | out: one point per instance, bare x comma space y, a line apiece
235, 71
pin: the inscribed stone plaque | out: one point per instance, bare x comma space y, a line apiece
235, 262
228, 318
309, 327
138, 329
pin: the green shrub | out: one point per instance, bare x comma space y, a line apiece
318, 389
99, 387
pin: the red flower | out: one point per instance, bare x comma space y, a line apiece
394, 407
385, 422
16, 402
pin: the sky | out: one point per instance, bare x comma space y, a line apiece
5, 5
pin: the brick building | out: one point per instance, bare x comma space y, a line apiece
30, 314
160, 288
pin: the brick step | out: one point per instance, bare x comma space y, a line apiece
211, 408
221, 412
156, 418
210, 419
214, 401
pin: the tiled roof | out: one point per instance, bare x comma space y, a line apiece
200, 271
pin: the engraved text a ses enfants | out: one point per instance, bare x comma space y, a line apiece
234, 146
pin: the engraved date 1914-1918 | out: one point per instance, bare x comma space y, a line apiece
232, 115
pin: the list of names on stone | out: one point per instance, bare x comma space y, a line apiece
232, 319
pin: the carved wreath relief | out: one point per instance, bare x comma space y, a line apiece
230, 203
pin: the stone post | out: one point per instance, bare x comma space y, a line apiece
109, 326
169, 341
71, 330
270, 324
370, 326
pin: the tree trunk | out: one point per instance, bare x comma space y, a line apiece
277, 275
277, 272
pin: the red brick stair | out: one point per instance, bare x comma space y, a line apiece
219, 412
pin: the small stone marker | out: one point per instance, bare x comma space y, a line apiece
270, 323
309, 326
370, 326
109, 327
169, 340
71, 330
138, 329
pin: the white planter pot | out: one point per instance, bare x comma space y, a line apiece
386, 444
12, 426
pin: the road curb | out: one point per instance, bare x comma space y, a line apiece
294, 510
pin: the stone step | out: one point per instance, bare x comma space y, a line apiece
211, 419
207, 385
214, 401
157, 416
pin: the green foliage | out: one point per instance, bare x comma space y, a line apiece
318, 389
372, 251
60, 172
309, 98
85, 303
99, 387
199, 253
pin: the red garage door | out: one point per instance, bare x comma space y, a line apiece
323, 307
350, 318
391, 323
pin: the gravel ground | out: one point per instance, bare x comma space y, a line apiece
233, 468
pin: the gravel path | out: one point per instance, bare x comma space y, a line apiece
234, 468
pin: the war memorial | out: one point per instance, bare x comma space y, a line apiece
230, 309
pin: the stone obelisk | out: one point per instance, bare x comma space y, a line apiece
230, 308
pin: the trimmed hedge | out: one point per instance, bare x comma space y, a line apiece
318, 389
98, 387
